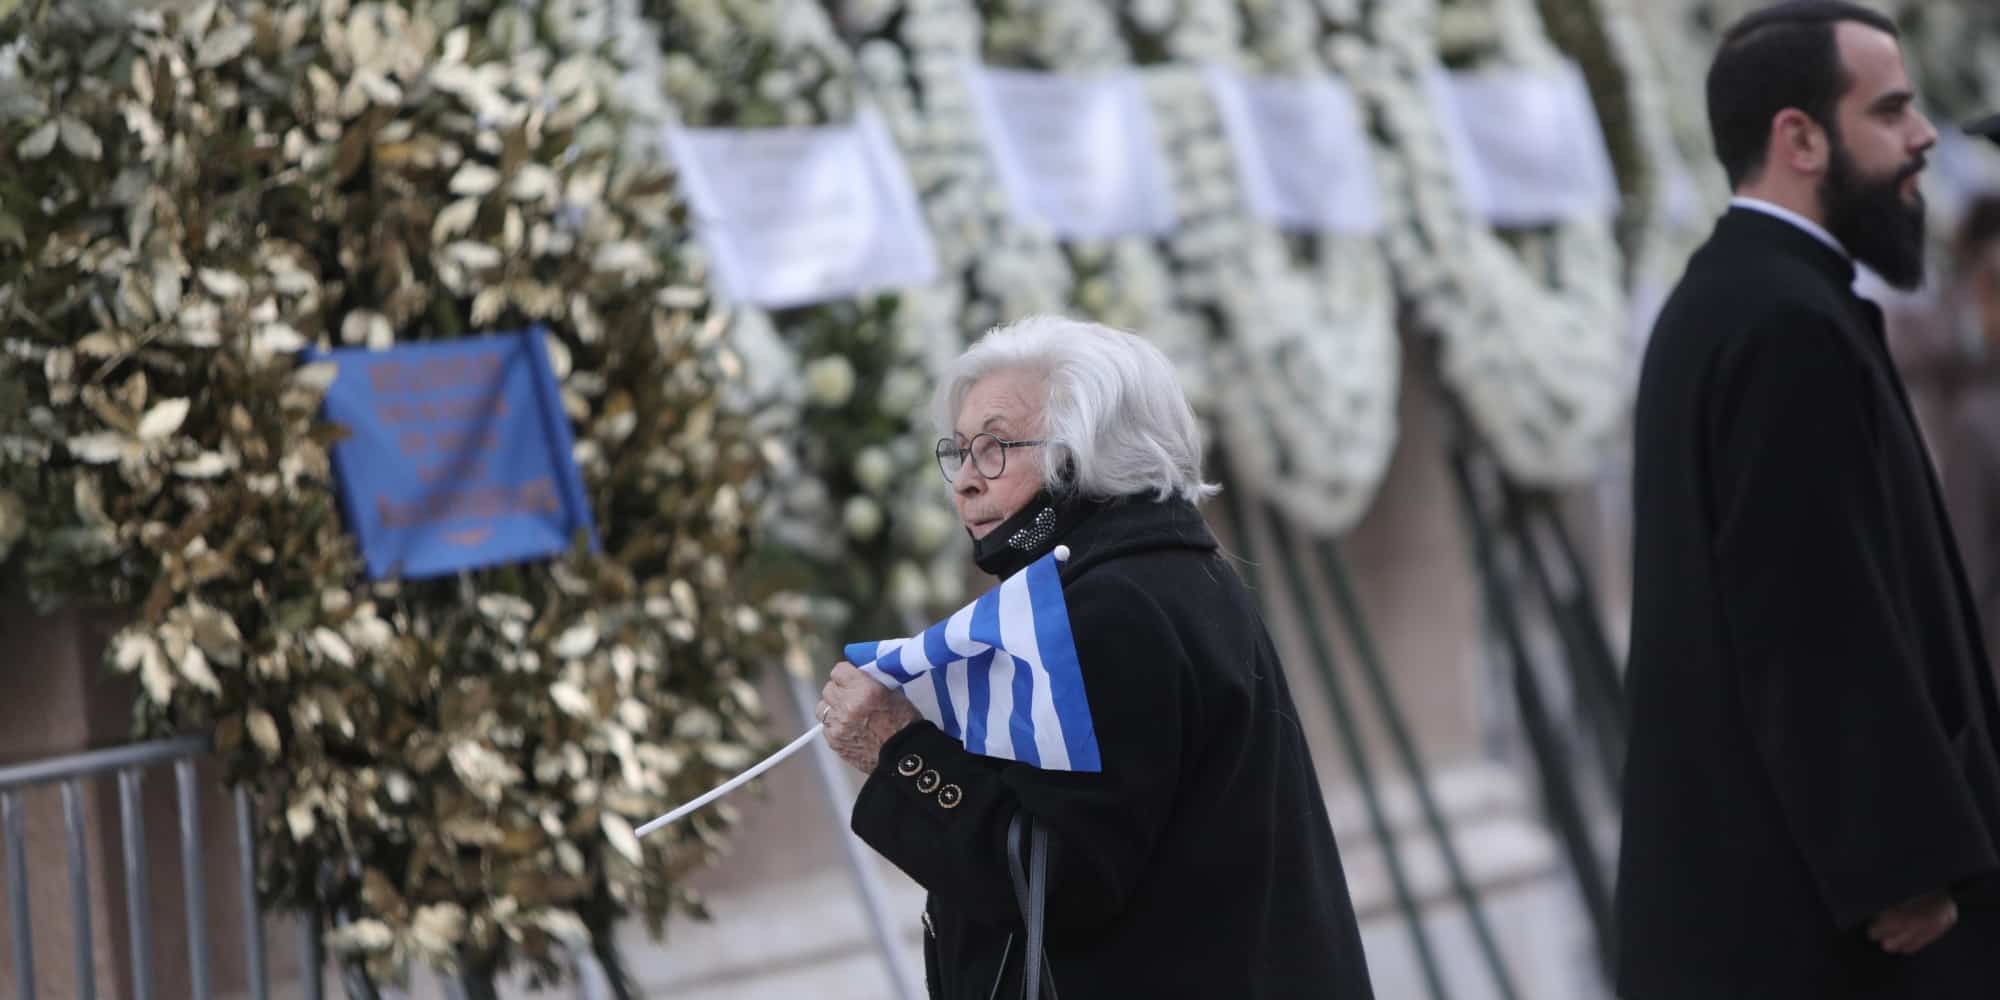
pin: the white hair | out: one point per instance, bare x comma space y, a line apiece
1114, 417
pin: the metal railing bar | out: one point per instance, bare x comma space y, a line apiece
1585, 610
253, 917
1590, 672
17, 885
194, 893
90, 762
138, 920
312, 954
79, 889
1559, 793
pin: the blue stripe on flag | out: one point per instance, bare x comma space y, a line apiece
892, 665
1065, 670
940, 653
1022, 722
949, 722
985, 625
859, 653
936, 649
977, 700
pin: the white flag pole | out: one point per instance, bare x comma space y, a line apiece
734, 783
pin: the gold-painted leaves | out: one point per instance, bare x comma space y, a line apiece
206, 191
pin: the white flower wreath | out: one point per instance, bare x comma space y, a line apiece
914, 68
846, 374
1123, 282
1533, 331
1308, 342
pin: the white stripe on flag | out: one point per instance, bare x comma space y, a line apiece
923, 695
882, 652
1000, 707
1017, 634
916, 658
955, 685
958, 634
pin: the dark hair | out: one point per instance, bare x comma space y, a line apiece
1783, 56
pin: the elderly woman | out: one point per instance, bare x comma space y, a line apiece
1199, 861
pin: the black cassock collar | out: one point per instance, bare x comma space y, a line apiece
1751, 226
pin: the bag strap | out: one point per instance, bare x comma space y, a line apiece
1031, 893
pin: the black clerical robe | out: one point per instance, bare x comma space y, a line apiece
1813, 729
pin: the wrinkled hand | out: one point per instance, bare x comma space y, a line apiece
860, 715
1907, 927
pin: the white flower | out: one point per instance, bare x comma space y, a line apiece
873, 469
908, 590
947, 581
880, 60
830, 380
1152, 15
862, 517
807, 495
777, 85
685, 81
903, 390
867, 15
930, 527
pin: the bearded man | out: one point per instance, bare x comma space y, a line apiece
1812, 792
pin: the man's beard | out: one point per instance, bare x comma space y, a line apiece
1870, 216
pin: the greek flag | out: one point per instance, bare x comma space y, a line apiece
1001, 675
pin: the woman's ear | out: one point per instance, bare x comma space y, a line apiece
1065, 477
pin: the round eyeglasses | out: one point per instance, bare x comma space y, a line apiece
987, 453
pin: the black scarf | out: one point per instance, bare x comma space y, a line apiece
1030, 533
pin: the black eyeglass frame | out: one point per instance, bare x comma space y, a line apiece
949, 446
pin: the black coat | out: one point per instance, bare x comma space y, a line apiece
1199, 862
1813, 730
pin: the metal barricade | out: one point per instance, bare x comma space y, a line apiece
130, 765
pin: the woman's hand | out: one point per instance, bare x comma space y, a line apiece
860, 715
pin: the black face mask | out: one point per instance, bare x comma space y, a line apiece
1030, 533
1871, 218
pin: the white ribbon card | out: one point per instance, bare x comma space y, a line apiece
1077, 155
795, 216
1526, 146
1301, 151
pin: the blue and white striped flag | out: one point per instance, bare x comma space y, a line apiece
1001, 675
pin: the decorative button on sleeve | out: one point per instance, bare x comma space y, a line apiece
929, 782
950, 796
909, 765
